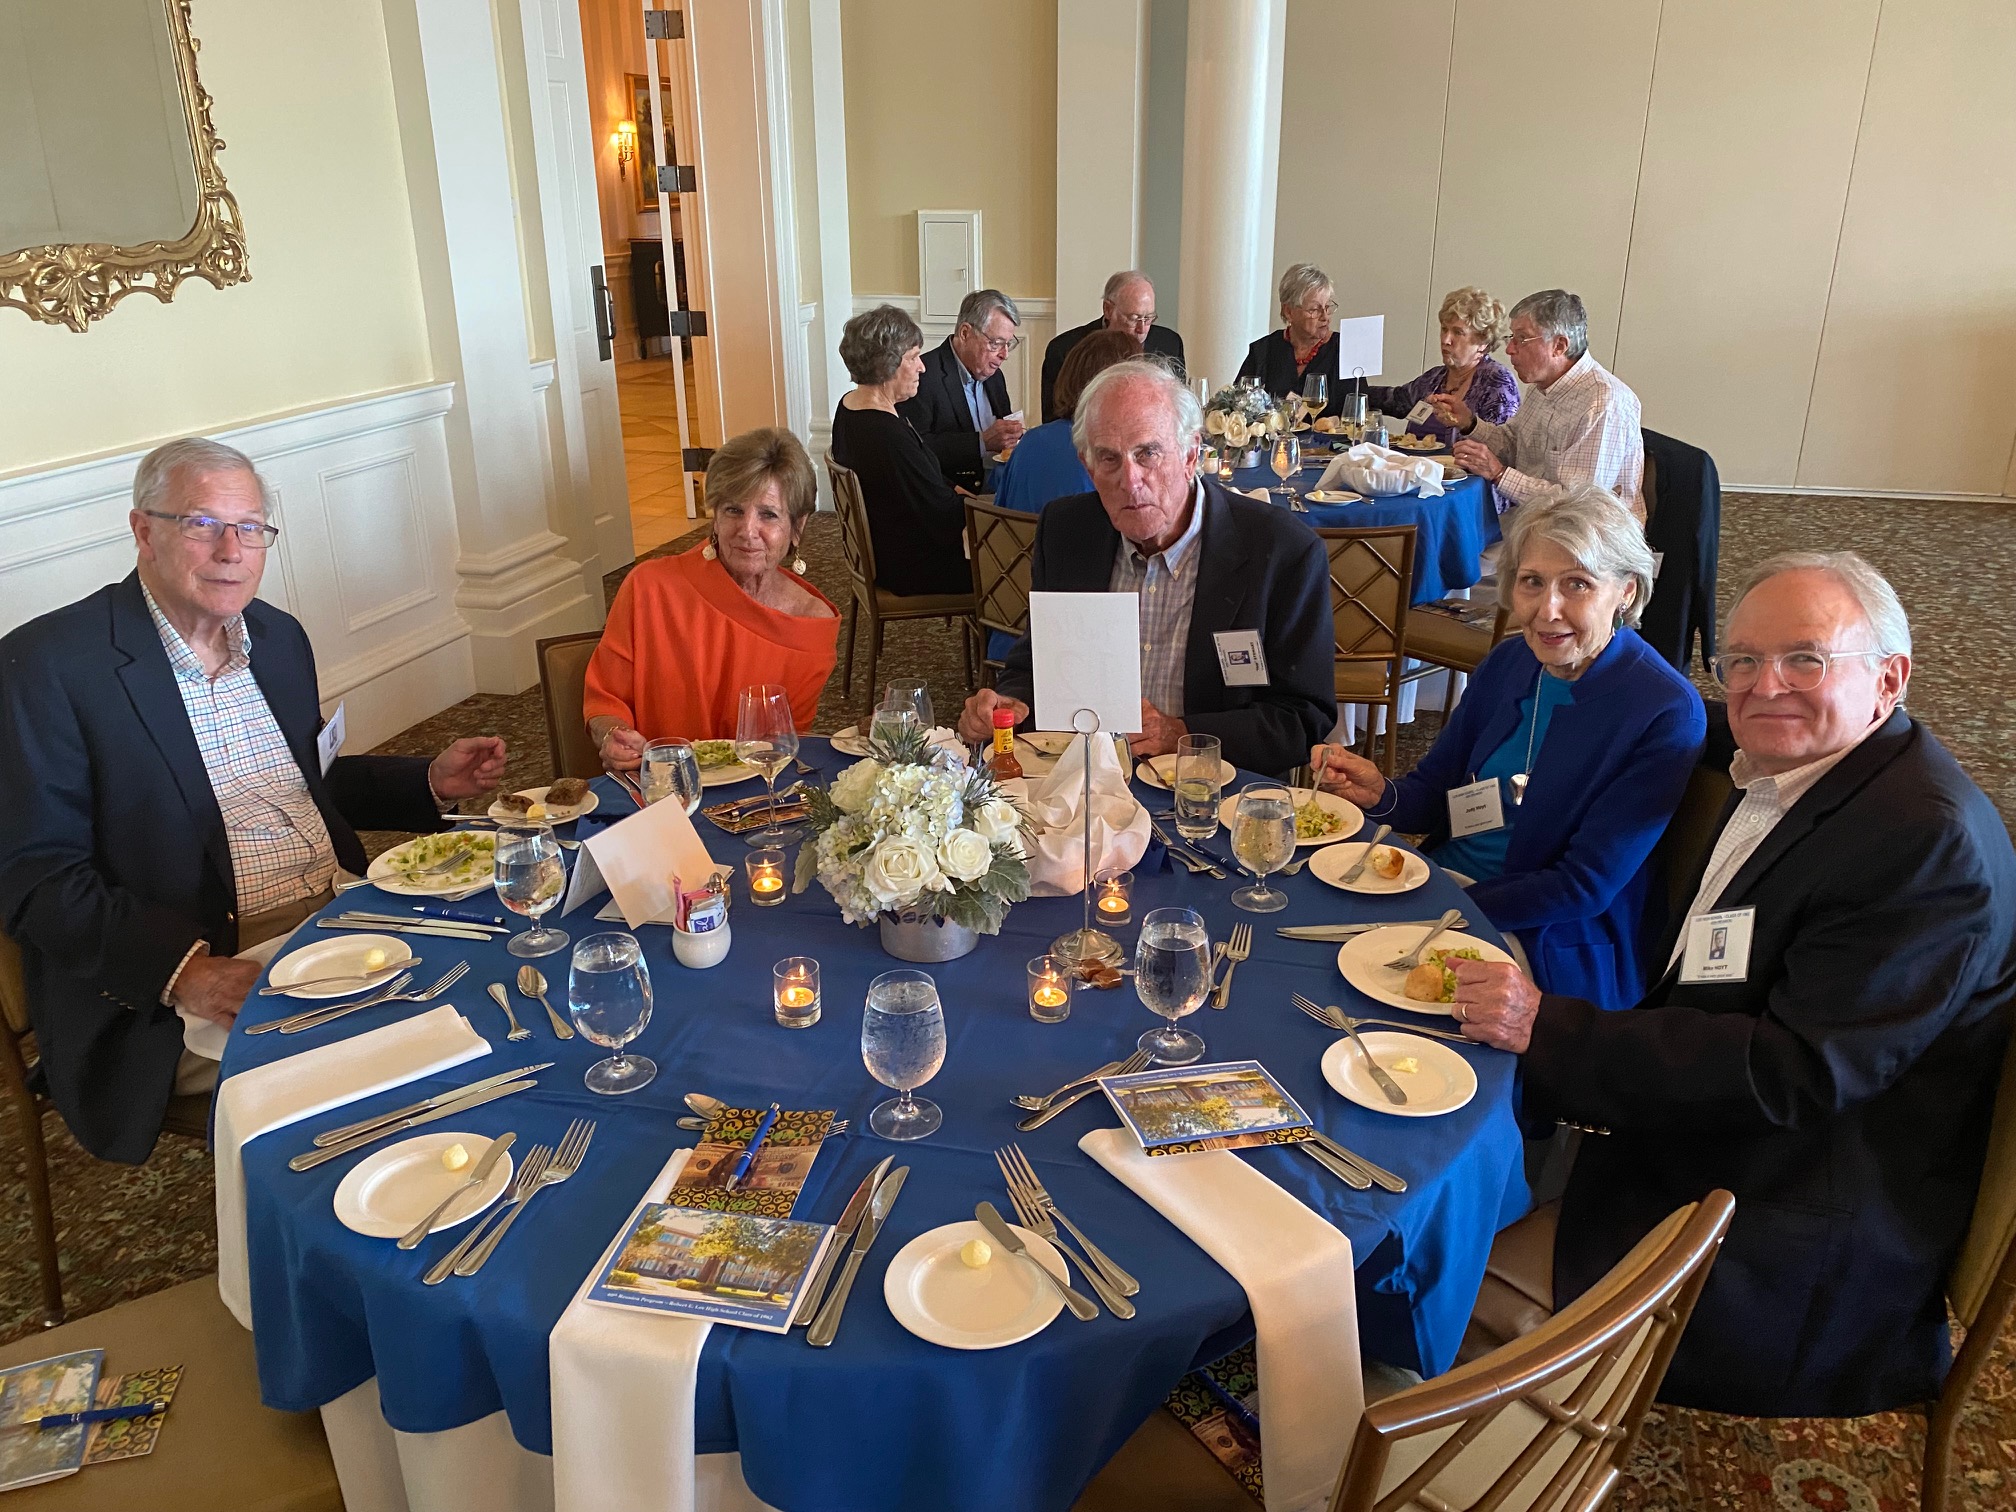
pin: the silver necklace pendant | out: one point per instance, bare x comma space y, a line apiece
1518, 784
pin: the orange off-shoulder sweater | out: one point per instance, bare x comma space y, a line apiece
683, 641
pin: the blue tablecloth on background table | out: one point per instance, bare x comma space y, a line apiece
881, 1422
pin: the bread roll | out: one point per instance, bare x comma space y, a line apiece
1424, 982
1387, 861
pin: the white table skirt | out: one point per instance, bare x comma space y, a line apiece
476, 1468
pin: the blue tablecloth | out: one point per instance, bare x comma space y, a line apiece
881, 1422
1450, 533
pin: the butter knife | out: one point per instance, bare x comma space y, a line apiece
309, 1159
427, 1104
827, 1324
412, 1237
850, 1220
1083, 1308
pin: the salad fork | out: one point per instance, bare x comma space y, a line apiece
566, 1161
317, 1018
1032, 1216
1016, 1167
531, 1171
1237, 949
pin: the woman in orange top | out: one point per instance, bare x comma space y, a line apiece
688, 633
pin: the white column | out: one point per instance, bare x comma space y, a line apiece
1102, 78
516, 583
1231, 160
836, 253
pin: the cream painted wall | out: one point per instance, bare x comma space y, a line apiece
1785, 245
952, 105
333, 309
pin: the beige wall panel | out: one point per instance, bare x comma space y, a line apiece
1747, 153
952, 105
1546, 116
1923, 310
1386, 63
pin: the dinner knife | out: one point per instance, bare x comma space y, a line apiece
843, 1234
827, 1324
444, 931
336, 1136
1351, 1176
1083, 1308
1379, 1174
1346, 931
309, 1159
358, 916
412, 1237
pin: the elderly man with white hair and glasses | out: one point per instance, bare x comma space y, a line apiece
1824, 1039
175, 800
1580, 423
1128, 304
961, 404
1207, 563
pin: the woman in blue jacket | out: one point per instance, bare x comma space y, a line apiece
1569, 752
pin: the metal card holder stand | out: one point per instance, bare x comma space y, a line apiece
1087, 944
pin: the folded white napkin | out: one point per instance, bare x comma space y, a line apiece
622, 1381
1296, 1269
282, 1092
1379, 471
1056, 803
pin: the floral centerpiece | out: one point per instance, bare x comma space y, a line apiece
923, 844
1243, 416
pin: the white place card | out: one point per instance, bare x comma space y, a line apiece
1085, 653
637, 860
1361, 343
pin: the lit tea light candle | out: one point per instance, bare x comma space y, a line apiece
1050, 989
1113, 895
795, 982
766, 877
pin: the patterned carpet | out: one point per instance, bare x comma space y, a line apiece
125, 1232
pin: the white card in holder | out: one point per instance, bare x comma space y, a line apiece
330, 741
1718, 946
1241, 659
1423, 411
1475, 809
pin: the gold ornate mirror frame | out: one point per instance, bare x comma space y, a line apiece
75, 283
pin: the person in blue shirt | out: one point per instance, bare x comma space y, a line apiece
1045, 465
1566, 757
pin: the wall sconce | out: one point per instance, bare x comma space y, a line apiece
625, 138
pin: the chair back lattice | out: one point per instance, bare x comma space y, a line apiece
855, 540
1371, 582
1546, 1422
1003, 541
563, 682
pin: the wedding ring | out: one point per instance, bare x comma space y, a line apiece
1457, 1009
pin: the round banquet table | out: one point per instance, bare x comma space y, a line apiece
882, 1421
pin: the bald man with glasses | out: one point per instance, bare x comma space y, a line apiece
1127, 304
172, 802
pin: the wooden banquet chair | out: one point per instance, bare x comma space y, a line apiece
563, 683
1544, 1423
1000, 542
878, 603
1371, 584
1454, 645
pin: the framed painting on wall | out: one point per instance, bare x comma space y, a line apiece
648, 154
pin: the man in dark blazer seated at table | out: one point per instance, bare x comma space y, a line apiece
1127, 305
961, 407
170, 804
1826, 1039
1212, 567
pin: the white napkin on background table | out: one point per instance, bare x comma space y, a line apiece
282, 1092
1379, 471
1297, 1272
1056, 802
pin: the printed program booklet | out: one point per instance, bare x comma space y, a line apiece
741, 1269
1173, 1110
43, 1388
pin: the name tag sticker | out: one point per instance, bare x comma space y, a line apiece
1240, 658
1475, 809
1422, 411
1718, 946
330, 741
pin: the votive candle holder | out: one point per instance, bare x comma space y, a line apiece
1050, 983
795, 991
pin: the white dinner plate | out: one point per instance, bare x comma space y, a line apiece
849, 742
1333, 496
943, 1300
475, 873
1364, 958
1330, 866
561, 815
1352, 815
1157, 770
340, 955
394, 1188
1039, 750
727, 776
1441, 1081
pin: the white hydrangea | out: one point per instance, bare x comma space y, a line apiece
853, 788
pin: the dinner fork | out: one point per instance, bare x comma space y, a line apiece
1032, 1216
565, 1163
1334, 1018
1016, 1167
1237, 949
316, 1019
531, 1171
1138, 1061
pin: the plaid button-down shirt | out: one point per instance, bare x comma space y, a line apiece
280, 848
1585, 429
1167, 584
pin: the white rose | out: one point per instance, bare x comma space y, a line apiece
1235, 430
854, 788
965, 855
1273, 422
1214, 422
997, 820
899, 870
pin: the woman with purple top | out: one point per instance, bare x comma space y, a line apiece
1473, 326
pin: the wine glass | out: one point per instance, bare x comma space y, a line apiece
767, 739
1199, 771
1286, 460
1263, 841
1315, 395
1172, 974
903, 1045
530, 878
609, 997
671, 770
914, 696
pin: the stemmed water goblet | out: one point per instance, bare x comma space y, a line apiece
1172, 975
609, 999
903, 1045
530, 877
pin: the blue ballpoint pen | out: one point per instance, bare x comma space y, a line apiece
748, 1156
462, 916
101, 1415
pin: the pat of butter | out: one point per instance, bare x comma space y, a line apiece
374, 958
976, 1253
537, 811
455, 1157
1407, 1065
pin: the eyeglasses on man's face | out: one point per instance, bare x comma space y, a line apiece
1799, 671
1000, 346
1137, 322
253, 535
